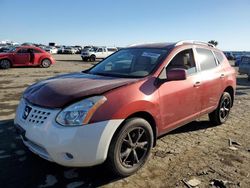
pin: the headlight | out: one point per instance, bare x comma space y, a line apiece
80, 113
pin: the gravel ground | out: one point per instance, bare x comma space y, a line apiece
198, 150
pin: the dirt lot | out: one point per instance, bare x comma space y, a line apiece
198, 150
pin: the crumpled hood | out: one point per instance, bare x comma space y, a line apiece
59, 91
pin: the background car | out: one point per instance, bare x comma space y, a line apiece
51, 49
229, 55
68, 50
244, 66
25, 56
97, 53
78, 49
5, 49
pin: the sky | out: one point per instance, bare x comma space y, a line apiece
125, 22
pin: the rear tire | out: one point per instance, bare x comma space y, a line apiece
221, 113
5, 64
130, 147
45, 63
92, 58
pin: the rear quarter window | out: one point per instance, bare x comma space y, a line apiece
206, 59
219, 56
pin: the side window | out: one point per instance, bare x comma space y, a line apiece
219, 56
99, 50
206, 59
183, 60
22, 51
36, 51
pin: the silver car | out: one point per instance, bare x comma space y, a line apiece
244, 66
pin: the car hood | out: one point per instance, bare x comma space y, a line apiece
62, 90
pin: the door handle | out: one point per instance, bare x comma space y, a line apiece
222, 75
197, 84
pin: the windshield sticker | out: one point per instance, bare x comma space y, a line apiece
150, 54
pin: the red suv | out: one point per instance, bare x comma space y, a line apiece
25, 56
115, 111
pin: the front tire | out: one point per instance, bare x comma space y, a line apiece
45, 63
221, 113
84, 58
5, 64
130, 147
92, 58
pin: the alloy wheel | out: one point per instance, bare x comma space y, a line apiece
225, 108
134, 147
5, 64
46, 63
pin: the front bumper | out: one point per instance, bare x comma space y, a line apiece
87, 145
85, 55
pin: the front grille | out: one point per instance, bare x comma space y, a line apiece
37, 115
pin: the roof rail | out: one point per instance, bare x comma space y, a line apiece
136, 44
193, 42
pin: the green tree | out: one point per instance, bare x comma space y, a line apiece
213, 42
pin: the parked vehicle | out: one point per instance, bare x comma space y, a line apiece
5, 49
69, 50
99, 53
244, 66
237, 60
25, 56
61, 50
229, 55
78, 49
51, 50
116, 110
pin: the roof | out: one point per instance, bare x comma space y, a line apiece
34, 47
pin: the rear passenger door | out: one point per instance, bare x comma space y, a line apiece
211, 79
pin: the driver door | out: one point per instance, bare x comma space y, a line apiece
22, 57
180, 101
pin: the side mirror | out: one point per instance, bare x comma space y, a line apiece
176, 74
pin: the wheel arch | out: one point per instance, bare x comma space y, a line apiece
7, 58
144, 115
231, 91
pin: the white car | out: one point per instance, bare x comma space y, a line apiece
52, 50
99, 53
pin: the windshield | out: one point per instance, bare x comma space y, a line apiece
132, 62
12, 49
